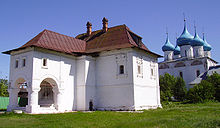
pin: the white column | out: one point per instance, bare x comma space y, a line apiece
13, 98
33, 106
60, 104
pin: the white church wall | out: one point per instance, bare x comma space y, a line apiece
59, 67
186, 51
198, 51
189, 71
168, 55
146, 82
114, 90
20, 72
85, 82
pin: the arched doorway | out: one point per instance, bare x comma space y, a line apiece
47, 93
22, 95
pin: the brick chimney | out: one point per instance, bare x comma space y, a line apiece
105, 24
89, 28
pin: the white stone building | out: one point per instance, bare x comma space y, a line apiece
190, 57
108, 69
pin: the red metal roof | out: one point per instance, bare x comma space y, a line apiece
55, 41
115, 38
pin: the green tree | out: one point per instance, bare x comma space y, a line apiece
179, 89
3, 87
167, 82
214, 79
202, 92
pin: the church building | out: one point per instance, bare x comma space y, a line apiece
188, 59
107, 69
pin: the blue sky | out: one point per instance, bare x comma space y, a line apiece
21, 20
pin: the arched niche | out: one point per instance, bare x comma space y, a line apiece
180, 64
163, 66
196, 62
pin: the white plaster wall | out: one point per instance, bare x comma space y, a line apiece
146, 86
198, 51
189, 71
17, 73
21, 72
188, 49
168, 55
114, 91
60, 68
85, 82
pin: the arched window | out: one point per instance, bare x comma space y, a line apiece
44, 62
16, 63
24, 62
197, 73
152, 72
121, 69
139, 69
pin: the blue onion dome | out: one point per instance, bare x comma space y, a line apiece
206, 46
197, 41
177, 50
185, 38
168, 46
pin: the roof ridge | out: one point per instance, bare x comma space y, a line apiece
99, 30
36, 38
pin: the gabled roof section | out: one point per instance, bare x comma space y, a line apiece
115, 38
54, 41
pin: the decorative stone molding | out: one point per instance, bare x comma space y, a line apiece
121, 59
139, 61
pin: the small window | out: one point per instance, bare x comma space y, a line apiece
139, 69
16, 64
24, 62
181, 74
152, 72
121, 69
44, 62
197, 73
185, 53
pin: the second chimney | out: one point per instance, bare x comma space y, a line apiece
105, 24
89, 28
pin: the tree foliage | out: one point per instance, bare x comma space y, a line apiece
179, 90
3, 87
171, 87
214, 79
202, 92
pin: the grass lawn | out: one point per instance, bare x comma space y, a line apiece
205, 115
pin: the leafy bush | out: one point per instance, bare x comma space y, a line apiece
201, 93
179, 90
171, 87
214, 79
166, 84
3, 87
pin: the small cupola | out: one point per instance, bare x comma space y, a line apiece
168, 46
105, 24
185, 38
206, 46
197, 41
89, 28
